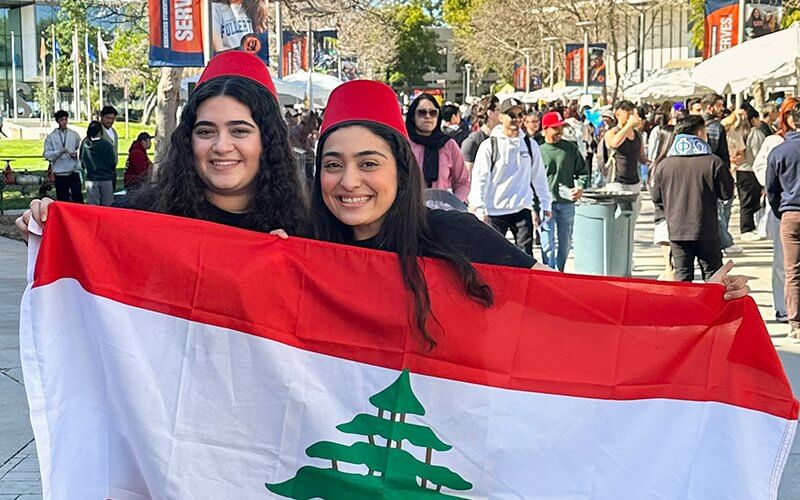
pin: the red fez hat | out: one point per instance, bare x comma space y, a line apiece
239, 63
364, 100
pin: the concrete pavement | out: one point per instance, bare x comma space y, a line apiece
19, 476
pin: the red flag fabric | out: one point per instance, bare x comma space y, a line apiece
550, 339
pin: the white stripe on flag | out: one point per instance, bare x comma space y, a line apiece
145, 405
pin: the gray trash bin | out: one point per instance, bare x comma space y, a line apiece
603, 235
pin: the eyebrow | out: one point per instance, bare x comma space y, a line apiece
231, 123
361, 153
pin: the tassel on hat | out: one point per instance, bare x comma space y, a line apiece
239, 63
364, 100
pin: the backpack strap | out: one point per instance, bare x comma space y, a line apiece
495, 153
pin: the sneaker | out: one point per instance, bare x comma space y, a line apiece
781, 318
733, 250
794, 336
751, 236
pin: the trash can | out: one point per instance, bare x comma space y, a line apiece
603, 234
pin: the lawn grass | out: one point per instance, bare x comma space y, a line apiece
27, 154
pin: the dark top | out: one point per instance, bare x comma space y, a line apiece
783, 176
768, 131
717, 139
469, 148
538, 137
627, 155
687, 188
97, 157
459, 135
463, 233
213, 214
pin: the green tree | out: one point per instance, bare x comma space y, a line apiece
697, 18
416, 45
392, 472
128, 64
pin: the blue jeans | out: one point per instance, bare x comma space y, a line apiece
724, 218
563, 219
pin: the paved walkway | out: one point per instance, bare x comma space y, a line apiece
19, 476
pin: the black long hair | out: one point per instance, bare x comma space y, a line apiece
405, 229
278, 202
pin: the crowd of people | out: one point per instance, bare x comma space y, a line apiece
90, 163
232, 160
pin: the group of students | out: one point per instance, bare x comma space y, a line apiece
229, 161
96, 156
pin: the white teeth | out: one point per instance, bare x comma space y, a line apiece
228, 163
355, 199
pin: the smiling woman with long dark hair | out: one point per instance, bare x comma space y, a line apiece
229, 159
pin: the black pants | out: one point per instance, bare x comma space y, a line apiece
707, 253
749, 199
521, 226
68, 188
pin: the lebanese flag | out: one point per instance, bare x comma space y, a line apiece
172, 358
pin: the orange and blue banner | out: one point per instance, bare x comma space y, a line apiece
176, 33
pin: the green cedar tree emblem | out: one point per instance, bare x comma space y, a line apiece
392, 472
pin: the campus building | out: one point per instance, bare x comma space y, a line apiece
26, 19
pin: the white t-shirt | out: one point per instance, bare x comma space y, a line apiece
229, 23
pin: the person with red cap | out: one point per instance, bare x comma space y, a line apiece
229, 159
567, 177
368, 193
507, 176
436, 152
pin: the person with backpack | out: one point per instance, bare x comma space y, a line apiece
508, 173
567, 177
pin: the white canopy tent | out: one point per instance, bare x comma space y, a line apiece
666, 84
288, 92
763, 59
322, 84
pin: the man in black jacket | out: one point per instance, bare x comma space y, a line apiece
687, 185
713, 105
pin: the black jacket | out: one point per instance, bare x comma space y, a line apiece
687, 189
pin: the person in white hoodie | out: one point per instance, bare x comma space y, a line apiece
508, 174
61, 150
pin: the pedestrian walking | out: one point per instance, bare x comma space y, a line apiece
773, 222
97, 160
138, 165
783, 193
486, 118
688, 184
453, 125
567, 177
508, 173
626, 151
437, 153
532, 127
61, 150
748, 187
663, 139
108, 116
713, 105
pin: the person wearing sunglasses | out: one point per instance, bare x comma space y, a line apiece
507, 176
437, 153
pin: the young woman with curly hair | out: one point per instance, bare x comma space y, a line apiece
229, 159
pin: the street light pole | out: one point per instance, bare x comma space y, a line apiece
527, 72
468, 67
550, 41
585, 25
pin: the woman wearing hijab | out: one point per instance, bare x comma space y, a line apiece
437, 153
229, 159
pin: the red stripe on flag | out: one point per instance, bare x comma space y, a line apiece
585, 336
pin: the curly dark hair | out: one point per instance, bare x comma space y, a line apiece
405, 229
279, 201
